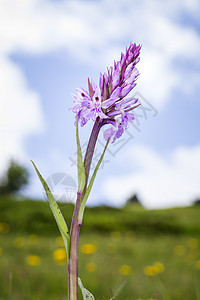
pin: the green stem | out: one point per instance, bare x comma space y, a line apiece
73, 253
76, 221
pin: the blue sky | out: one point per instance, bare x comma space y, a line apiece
49, 48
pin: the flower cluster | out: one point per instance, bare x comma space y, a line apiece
108, 102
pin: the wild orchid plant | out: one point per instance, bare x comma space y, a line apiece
104, 105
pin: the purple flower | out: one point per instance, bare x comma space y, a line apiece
108, 102
114, 132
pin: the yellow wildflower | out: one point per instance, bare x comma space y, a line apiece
33, 260
159, 267
91, 267
125, 270
150, 271
155, 269
60, 256
88, 249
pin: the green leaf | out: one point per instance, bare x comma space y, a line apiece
56, 211
86, 294
82, 206
81, 169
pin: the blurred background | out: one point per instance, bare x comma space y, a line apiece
48, 48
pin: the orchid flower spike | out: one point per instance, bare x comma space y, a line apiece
109, 102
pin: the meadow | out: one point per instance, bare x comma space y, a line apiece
150, 254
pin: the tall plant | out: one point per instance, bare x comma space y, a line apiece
104, 105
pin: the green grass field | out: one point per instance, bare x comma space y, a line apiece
153, 254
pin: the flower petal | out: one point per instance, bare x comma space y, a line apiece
113, 98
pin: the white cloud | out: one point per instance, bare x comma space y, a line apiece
94, 32
20, 113
84, 26
159, 182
